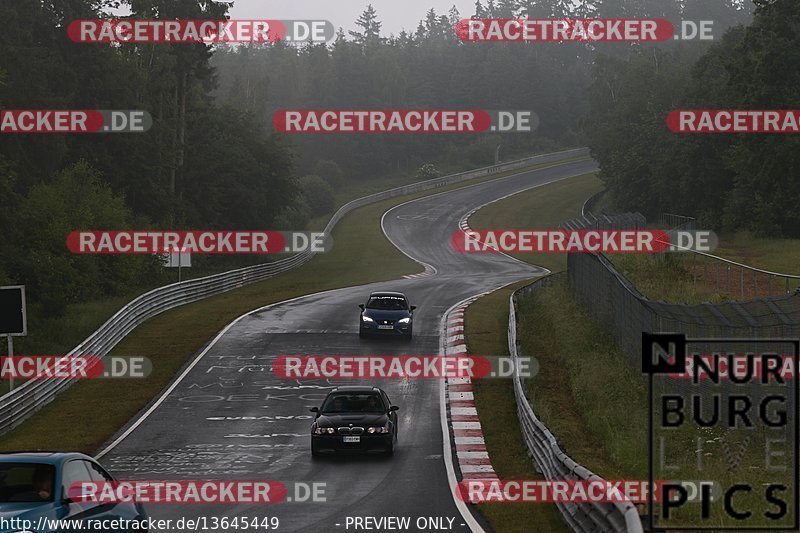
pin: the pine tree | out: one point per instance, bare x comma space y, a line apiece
480, 11
370, 34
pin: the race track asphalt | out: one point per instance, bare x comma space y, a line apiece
229, 417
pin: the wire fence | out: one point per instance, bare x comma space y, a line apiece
613, 301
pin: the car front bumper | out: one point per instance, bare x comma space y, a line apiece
397, 329
368, 443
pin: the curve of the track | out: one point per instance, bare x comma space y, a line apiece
229, 417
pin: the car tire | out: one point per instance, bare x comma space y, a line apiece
407, 336
390, 451
314, 452
361, 333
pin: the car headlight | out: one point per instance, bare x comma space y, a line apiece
406, 320
384, 429
367, 319
324, 431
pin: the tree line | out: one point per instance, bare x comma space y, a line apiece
211, 161
730, 181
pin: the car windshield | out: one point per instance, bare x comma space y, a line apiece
392, 303
26, 482
367, 402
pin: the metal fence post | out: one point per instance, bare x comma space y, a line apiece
742, 272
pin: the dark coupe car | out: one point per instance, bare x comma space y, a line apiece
35, 486
386, 313
355, 419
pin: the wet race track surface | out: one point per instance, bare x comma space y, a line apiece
229, 417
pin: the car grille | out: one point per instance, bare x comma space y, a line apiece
386, 322
351, 431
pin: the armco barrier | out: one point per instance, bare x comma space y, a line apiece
551, 461
20, 403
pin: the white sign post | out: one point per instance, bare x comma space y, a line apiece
178, 260
13, 318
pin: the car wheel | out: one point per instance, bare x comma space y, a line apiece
314, 452
407, 336
390, 451
361, 333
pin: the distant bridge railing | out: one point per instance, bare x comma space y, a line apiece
730, 277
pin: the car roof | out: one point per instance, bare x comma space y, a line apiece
388, 293
45, 457
356, 388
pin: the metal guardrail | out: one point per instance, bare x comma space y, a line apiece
22, 402
551, 461
591, 202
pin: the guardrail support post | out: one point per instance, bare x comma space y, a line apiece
10, 354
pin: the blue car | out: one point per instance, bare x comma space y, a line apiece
34, 491
386, 313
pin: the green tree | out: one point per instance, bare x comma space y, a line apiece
318, 195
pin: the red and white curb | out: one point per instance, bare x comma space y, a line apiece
463, 224
462, 415
429, 271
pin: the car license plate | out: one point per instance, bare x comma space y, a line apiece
351, 439
385, 327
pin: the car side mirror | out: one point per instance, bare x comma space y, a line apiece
361, 306
67, 501
413, 307
394, 408
314, 409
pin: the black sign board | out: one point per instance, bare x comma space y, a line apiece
12, 311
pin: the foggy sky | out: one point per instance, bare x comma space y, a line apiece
394, 14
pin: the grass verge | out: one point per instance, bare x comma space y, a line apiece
361, 254
172, 337
485, 326
775, 255
596, 402
586, 393
540, 208
665, 277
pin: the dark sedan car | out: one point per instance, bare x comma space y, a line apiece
386, 313
355, 419
34, 490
